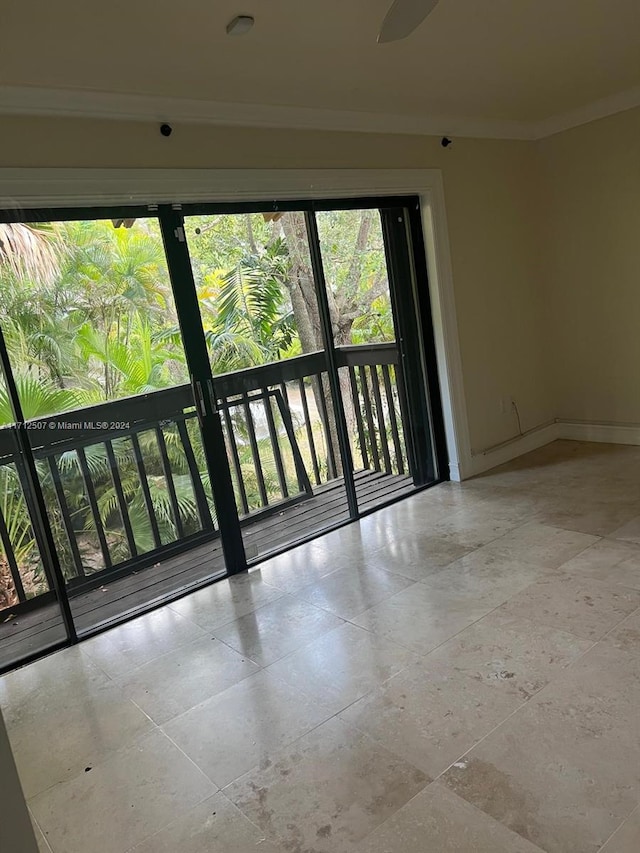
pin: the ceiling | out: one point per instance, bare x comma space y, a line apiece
520, 61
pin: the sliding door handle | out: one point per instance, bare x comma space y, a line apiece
211, 393
204, 394
198, 399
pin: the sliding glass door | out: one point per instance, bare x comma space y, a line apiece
259, 307
34, 612
102, 381
187, 390
311, 316
364, 334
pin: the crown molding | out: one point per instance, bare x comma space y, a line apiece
78, 103
31, 101
618, 103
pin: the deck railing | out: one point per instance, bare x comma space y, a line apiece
126, 482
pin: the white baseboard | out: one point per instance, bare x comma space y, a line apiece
455, 472
567, 430
511, 450
608, 433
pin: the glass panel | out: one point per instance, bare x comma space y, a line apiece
363, 326
25, 629
97, 356
262, 323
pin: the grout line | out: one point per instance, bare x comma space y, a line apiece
243, 654
173, 820
191, 761
490, 817
133, 669
246, 817
142, 711
569, 666
619, 827
90, 660
101, 761
35, 821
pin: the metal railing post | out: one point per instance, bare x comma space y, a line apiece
40, 521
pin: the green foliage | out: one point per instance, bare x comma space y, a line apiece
88, 317
15, 515
140, 365
355, 270
38, 398
252, 300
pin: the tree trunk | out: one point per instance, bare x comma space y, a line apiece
304, 304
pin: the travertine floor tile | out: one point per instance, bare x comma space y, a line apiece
598, 696
509, 654
421, 618
585, 607
609, 561
425, 507
299, 567
213, 825
626, 839
277, 629
430, 716
417, 559
626, 635
226, 600
360, 540
327, 791
438, 821
170, 685
348, 592
629, 532
28, 695
469, 528
587, 515
492, 637
541, 544
564, 794
43, 845
137, 642
342, 665
239, 728
60, 739
122, 800
494, 577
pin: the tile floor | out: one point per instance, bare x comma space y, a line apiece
458, 672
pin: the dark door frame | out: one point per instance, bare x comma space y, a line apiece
195, 347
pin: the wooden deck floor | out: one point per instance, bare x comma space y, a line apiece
34, 632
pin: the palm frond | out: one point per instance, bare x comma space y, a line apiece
38, 399
30, 252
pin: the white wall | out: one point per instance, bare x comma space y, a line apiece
592, 271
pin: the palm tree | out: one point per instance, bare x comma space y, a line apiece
248, 308
38, 398
144, 363
30, 252
35, 315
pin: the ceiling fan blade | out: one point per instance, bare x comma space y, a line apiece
403, 17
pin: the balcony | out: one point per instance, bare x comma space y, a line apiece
129, 499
